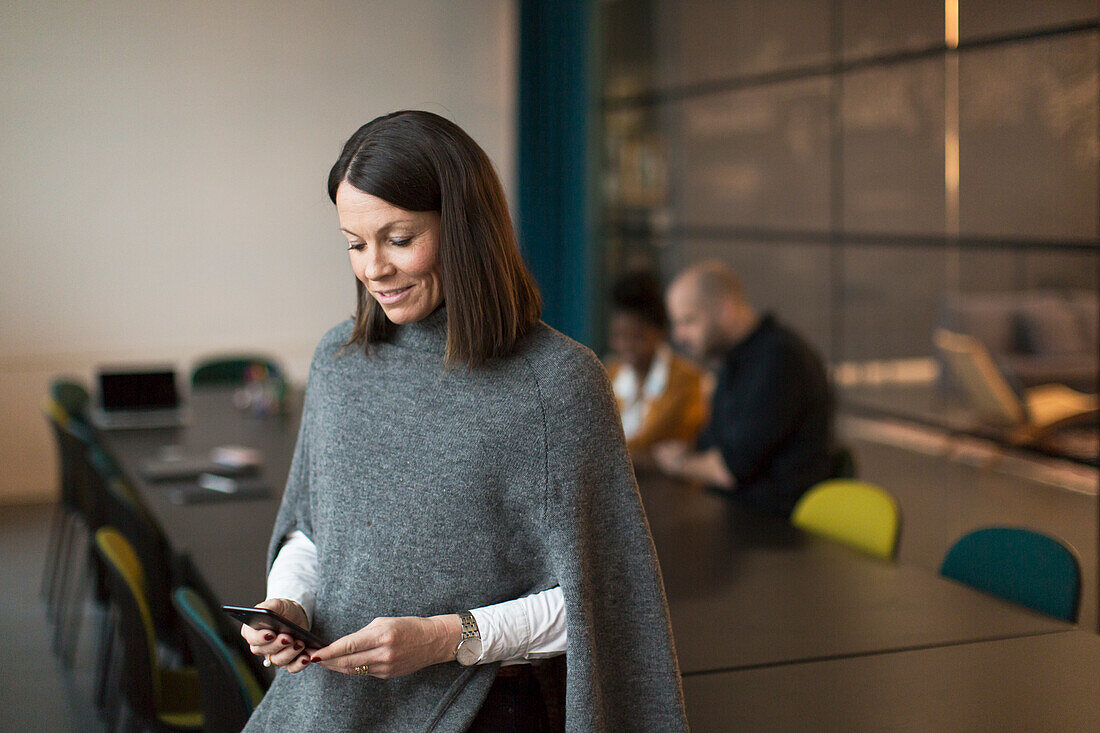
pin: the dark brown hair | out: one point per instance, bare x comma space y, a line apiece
640, 293
419, 161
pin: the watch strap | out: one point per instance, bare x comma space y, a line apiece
469, 626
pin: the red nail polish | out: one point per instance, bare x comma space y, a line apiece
286, 641
306, 660
298, 647
269, 637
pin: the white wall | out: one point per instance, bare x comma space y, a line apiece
162, 175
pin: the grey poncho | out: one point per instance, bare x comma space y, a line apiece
431, 491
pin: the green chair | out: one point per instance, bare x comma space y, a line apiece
162, 698
1019, 565
233, 369
229, 689
72, 396
859, 514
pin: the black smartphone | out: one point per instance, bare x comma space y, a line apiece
263, 618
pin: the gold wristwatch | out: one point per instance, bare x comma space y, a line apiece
468, 651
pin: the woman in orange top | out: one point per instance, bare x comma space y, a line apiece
661, 395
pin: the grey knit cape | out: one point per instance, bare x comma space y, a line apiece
431, 490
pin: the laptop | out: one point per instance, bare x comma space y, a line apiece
130, 398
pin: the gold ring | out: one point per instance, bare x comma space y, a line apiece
361, 669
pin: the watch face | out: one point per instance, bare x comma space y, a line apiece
468, 652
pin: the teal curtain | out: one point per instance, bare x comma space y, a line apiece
554, 210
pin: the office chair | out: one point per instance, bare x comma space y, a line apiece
124, 510
67, 407
233, 369
72, 567
856, 513
229, 690
71, 437
1018, 565
842, 462
161, 697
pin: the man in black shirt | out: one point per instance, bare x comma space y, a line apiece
770, 429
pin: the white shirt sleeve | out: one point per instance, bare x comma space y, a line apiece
294, 572
532, 627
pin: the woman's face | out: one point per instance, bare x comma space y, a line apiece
394, 253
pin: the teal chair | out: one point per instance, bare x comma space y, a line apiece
71, 396
233, 369
1019, 565
228, 688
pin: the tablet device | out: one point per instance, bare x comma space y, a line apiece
263, 618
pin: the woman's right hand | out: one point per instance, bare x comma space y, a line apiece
280, 650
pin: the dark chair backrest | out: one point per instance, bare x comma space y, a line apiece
842, 462
124, 510
71, 396
73, 439
125, 578
1019, 565
229, 690
233, 369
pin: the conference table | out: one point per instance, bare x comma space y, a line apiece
775, 629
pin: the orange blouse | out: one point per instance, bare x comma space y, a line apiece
678, 412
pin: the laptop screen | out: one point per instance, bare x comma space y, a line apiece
138, 390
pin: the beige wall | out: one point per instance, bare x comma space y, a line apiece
163, 167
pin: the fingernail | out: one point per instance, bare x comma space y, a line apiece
299, 647
286, 641
269, 637
305, 661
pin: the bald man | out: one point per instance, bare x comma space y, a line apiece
770, 431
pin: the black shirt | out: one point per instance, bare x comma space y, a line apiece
771, 417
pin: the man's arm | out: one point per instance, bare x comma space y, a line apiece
707, 466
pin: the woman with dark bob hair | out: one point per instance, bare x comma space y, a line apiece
461, 522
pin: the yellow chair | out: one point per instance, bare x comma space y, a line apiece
162, 698
859, 514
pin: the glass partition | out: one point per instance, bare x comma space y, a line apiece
907, 184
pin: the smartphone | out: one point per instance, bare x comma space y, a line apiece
263, 618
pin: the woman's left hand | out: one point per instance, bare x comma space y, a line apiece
392, 647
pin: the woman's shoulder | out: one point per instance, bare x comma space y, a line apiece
332, 344
335, 338
560, 363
